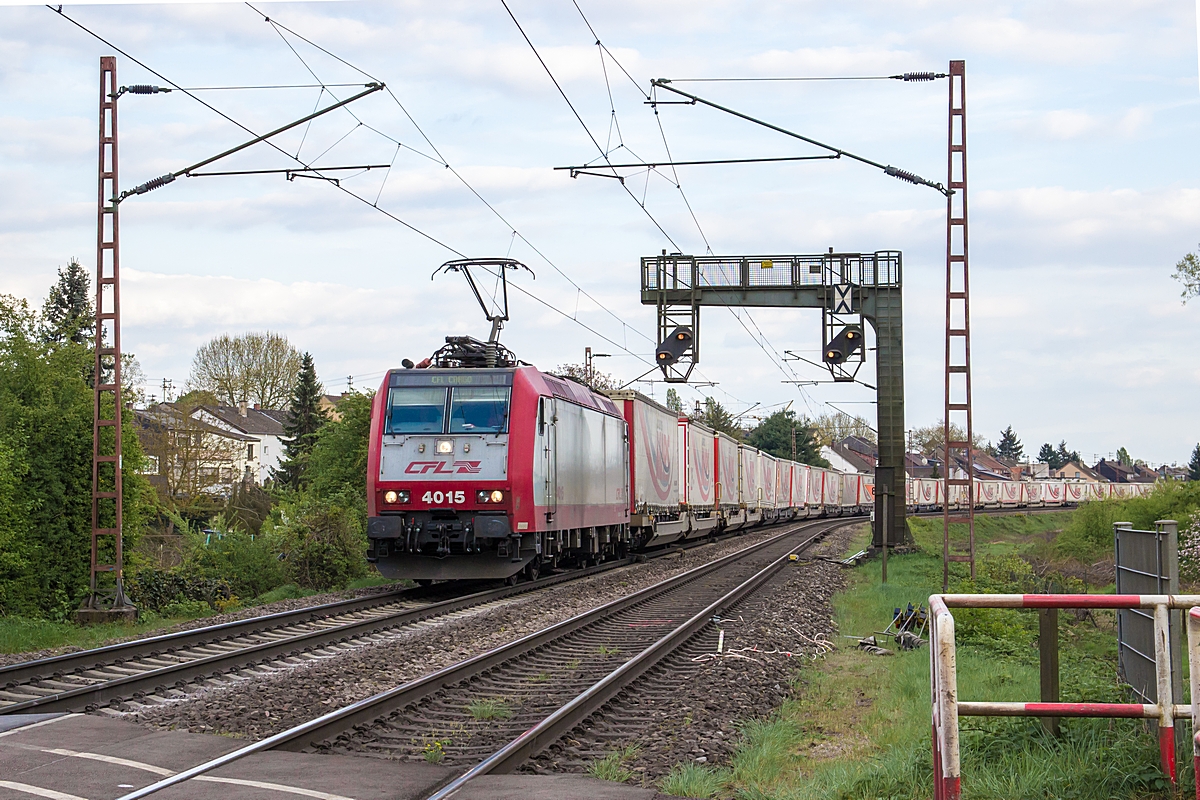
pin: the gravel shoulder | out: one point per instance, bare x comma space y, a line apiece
697, 700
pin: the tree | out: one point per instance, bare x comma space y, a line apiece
1123, 458
1194, 465
830, 428
716, 417
1009, 447
1064, 455
931, 439
673, 401
68, 315
194, 460
305, 419
1048, 455
593, 379
251, 368
46, 468
774, 435
1187, 272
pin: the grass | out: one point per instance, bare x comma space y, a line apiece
489, 708
606, 651
693, 780
1031, 534
22, 635
612, 766
857, 725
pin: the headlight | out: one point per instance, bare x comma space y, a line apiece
445, 447
497, 496
493, 496
390, 497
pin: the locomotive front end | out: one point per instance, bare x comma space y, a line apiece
439, 489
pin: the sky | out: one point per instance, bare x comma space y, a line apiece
1083, 188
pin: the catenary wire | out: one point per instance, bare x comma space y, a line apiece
760, 340
308, 167
442, 161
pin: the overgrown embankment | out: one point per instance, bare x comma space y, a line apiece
857, 725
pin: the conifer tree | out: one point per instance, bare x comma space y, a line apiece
673, 401
1010, 446
305, 418
68, 315
1049, 455
1194, 465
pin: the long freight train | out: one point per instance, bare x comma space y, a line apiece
500, 472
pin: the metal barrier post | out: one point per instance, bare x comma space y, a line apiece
947, 767
1048, 662
1162, 670
1193, 639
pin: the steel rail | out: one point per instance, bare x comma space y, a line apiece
335, 722
552, 728
184, 671
13, 677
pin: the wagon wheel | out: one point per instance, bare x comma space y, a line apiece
533, 568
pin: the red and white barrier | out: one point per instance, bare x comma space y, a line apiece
946, 708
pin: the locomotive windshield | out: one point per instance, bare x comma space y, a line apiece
479, 409
472, 409
413, 409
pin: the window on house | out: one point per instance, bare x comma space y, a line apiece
249, 452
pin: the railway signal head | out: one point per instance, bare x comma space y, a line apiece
848, 341
674, 346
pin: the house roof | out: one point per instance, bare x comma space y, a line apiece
858, 452
1083, 468
167, 416
258, 421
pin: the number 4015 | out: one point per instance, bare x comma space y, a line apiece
455, 498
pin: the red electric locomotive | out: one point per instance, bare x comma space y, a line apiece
480, 467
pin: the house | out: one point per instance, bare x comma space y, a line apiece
263, 428
1028, 472
1074, 471
188, 457
918, 466
328, 405
854, 454
1116, 472
1174, 472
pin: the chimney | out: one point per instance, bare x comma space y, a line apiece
242, 409
256, 407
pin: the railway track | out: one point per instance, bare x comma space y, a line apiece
162, 666
492, 712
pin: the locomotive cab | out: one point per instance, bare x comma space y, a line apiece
441, 479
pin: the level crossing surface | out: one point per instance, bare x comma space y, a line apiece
89, 757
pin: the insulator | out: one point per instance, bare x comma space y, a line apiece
921, 76
150, 186
143, 88
904, 175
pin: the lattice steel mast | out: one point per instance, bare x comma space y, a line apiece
958, 328
107, 511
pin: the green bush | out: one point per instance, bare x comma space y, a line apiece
1089, 535
249, 564
323, 541
157, 589
187, 608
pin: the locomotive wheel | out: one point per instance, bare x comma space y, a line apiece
533, 568
512, 580
424, 582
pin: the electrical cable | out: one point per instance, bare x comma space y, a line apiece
772, 354
442, 161
308, 167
